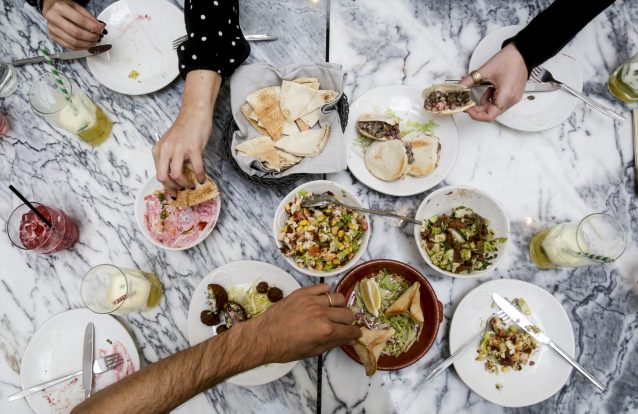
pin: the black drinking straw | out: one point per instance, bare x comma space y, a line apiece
25, 201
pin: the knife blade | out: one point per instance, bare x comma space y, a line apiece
530, 86
87, 360
92, 51
524, 323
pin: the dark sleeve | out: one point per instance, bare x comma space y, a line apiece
215, 41
554, 27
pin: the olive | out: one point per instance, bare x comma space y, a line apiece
219, 295
262, 287
235, 312
275, 294
221, 328
209, 318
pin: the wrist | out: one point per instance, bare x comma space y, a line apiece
249, 334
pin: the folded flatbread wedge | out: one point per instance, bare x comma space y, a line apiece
425, 149
285, 161
308, 143
265, 103
370, 345
252, 117
262, 148
297, 99
201, 193
409, 303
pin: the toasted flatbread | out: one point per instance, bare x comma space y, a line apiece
306, 80
290, 128
302, 125
387, 160
262, 148
309, 143
370, 346
252, 117
296, 97
285, 161
426, 149
201, 193
265, 103
312, 117
409, 303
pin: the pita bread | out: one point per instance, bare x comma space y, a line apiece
409, 303
265, 103
312, 117
261, 148
368, 126
201, 192
425, 149
290, 128
387, 160
252, 117
306, 80
302, 125
309, 143
296, 97
447, 88
370, 346
285, 161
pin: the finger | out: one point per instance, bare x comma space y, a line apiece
70, 41
318, 289
340, 315
198, 166
487, 114
467, 81
88, 21
177, 172
163, 174
76, 30
60, 41
343, 334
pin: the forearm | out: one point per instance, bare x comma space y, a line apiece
168, 383
200, 92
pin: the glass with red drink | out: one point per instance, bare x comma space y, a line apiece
27, 231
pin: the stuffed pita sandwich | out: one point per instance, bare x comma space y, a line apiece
447, 99
426, 149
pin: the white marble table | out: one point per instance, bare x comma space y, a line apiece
582, 166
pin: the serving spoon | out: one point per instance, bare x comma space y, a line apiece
325, 199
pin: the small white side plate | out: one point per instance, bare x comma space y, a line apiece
141, 32
407, 103
56, 350
537, 111
532, 384
240, 274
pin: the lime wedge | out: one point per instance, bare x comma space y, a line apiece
371, 295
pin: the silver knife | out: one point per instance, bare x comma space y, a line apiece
94, 50
87, 360
635, 129
530, 86
525, 324
260, 37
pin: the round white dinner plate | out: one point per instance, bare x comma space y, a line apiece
407, 103
55, 350
532, 384
141, 32
537, 111
240, 274
149, 187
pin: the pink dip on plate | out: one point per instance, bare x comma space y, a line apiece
177, 227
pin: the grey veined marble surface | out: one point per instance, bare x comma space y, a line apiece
584, 165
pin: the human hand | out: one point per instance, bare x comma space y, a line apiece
507, 72
71, 25
303, 325
184, 140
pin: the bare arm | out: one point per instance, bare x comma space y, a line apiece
300, 326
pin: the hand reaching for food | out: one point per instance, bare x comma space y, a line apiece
505, 70
71, 25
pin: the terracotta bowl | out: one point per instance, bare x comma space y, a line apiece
431, 306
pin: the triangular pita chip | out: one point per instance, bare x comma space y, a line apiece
302, 125
312, 117
296, 97
306, 80
261, 148
409, 303
309, 143
290, 128
252, 117
201, 193
285, 161
265, 103
370, 345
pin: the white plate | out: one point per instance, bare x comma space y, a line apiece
317, 187
547, 109
532, 384
407, 103
56, 350
141, 32
444, 200
153, 185
240, 274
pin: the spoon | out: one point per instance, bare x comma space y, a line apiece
325, 199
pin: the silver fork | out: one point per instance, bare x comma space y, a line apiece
251, 38
462, 350
100, 366
543, 75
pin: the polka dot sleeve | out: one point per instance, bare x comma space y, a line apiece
215, 41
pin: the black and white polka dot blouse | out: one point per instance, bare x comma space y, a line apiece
215, 41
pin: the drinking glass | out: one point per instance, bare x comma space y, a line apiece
597, 238
64, 105
8, 79
28, 232
623, 82
117, 290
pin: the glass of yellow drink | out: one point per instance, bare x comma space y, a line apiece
623, 83
64, 105
598, 238
115, 290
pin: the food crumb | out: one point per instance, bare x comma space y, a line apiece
133, 74
109, 341
499, 386
531, 97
